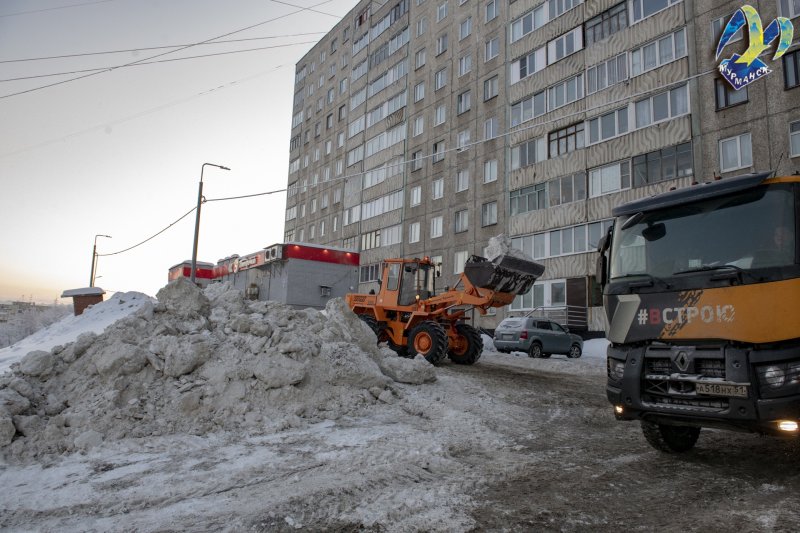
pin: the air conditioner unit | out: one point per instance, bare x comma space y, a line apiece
273, 253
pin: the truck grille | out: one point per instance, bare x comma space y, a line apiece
659, 389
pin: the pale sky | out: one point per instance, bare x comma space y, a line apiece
120, 153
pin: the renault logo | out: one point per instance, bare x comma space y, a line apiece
682, 361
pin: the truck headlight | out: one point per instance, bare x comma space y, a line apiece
779, 378
774, 376
616, 369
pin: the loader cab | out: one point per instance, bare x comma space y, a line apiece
407, 281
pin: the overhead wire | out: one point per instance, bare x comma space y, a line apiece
54, 8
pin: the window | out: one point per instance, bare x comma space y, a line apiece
565, 92
663, 106
416, 195
567, 44
436, 227
464, 64
528, 65
463, 138
462, 180
490, 128
528, 22
545, 294
441, 12
596, 231
566, 189
328, 147
340, 139
528, 153
337, 196
311, 230
419, 58
490, 88
465, 29
490, 171
607, 73
422, 26
335, 224
419, 91
532, 107
416, 160
607, 23
369, 273
441, 44
463, 102
440, 115
489, 214
302, 235
371, 240
438, 151
491, 49
528, 199
342, 112
790, 8
794, 139
440, 79
735, 153
491, 11
609, 178
608, 126
791, 69
392, 235
665, 164
727, 96
462, 221
437, 188
419, 126
565, 140
718, 26
413, 232
459, 260
657, 53
641, 9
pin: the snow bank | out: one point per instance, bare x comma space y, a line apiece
94, 319
197, 363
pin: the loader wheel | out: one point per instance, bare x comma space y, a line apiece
467, 346
535, 350
372, 322
429, 340
670, 439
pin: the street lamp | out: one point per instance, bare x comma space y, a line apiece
197, 216
94, 259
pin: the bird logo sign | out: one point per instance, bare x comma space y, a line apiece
747, 68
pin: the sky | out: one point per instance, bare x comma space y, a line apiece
120, 152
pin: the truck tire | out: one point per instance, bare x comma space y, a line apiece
429, 340
372, 322
469, 345
670, 439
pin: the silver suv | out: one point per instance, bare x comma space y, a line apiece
537, 337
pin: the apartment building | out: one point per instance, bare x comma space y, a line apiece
425, 127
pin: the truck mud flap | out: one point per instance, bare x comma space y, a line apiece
504, 273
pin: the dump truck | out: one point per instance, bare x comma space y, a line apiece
412, 318
701, 288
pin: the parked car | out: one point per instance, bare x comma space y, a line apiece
537, 337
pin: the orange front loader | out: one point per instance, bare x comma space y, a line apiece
408, 315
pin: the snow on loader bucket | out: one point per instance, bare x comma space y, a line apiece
504, 273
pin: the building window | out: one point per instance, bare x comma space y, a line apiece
419, 58
459, 260
565, 140
441, 44
490, 128
489, 214
311, 230
528, 65
491, 11
416, 160
718, 26
663, 106
462, 221
566, 189
437, 188
530, 108
491, 49
419, 126
727, 96
490, 171
465, 29
371, 240
528, 153
609, 178
463, 138
464, 64
607, 73
735, 153
436, 227
462, 180
392, 235
567, 44
607, 23
794, 139
641, 9
790, 8
416, 195
657, 53
791, 69
413, 232
528, 22
419, 91
661, 165
463, 102
564, 93
440, 115
608, 126
369, 273
528, 199
441, 12
490, 88
440, 79
438, 151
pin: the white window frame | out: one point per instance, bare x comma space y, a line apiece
419, 126
645, 108
490, 128
465, 28
489, 214
436, 227
419, 91
461, 221
794, 139
602, 180
593, 73
440, 79
464, 138
675, 42
459, 260
437, 188
741, 156
416, 196
420, 58
464, 65
559, 48
490, 170
636, 13
413, 232
440, 115
464, 102
789, 10
620, 118
490, 11
441, 12
491, 49
462, 180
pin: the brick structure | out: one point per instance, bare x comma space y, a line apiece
83, 298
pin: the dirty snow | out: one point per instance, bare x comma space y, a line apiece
501, 245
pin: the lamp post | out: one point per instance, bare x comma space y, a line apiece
197, 216
94, 258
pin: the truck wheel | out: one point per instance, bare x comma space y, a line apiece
468, 345
670, 439
429, 340
574, 352
535, 350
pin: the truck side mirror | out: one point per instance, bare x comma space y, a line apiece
601, 269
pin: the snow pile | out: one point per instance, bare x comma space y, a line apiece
198, 363
94, 319
501, 245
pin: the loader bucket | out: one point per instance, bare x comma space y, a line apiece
504, 273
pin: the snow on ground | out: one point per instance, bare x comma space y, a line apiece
94, 319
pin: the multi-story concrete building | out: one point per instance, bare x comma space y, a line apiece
425, 127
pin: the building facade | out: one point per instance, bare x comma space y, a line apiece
425, 127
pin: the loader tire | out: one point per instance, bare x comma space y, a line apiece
372, 322
429, 340
467, 348
670, 439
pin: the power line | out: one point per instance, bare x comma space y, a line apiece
146, 48
54, 8
190, 211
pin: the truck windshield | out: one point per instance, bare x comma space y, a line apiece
748, 230
417, 280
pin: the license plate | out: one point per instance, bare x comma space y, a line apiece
508, 337
722, 389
